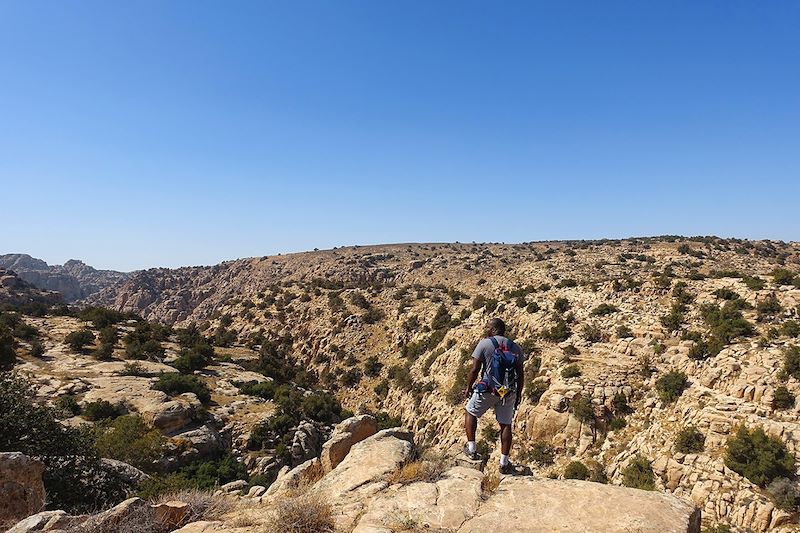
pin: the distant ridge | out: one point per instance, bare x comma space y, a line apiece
74, 280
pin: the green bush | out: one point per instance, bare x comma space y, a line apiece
386, 421
758, 456
532, 307
8, 355
202, 475
194, 358
559, 332
174, 384
99, 410
144, 342
571, 371
639, 474
689, 440
604, 309
617, 423
321, 407
791, 361
726, 323
726, 294
671, 385
784, 494
673, 320
576, 470
782, 276
67, 405
130, 439
769, 306
101, 317
372, 366
782, 398
77, 340
790, 328
582, 409
594, 333
264, 389
540, 453
624, 332
561, 305
753, 283
535, 389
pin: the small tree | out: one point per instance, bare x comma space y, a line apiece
782, 398
758, 456
639, 474
77, 340
671, 385
8, 356
576, 470
689, 440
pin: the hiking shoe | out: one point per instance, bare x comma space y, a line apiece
473, 456
508, 469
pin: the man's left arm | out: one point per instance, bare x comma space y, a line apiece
520, 381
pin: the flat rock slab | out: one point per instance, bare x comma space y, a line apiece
550, 506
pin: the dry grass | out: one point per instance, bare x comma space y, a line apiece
489, 485
301, 512
202, 505
428, 470
140, 520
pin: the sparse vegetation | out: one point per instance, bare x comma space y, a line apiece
671, 385
639, 474
782, 398
180, 383
757, 456
689, 440
571, 371
576, 470
78, 340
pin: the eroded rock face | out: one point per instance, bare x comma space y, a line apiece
21, 487
344, 436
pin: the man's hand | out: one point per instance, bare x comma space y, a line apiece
467, 393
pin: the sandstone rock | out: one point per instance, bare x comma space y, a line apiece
376, 456
234, 486
21, 487
543, 506
344, 436
171, 514
305, 443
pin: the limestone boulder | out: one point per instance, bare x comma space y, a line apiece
545, 505
21, 487
347, 433
368, 461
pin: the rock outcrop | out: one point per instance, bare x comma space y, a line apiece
21, 487
73, 280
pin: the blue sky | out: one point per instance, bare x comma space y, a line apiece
139, 134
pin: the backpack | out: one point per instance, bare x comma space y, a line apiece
500, 375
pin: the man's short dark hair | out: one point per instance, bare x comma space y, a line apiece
498, 325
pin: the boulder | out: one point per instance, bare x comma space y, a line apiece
306, 442
545, 505
368, 460
171, 514
344, 436
21, 487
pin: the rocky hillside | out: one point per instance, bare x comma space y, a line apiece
16, 292
73, 280
647, 356
376, 486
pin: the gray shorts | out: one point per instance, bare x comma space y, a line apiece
480, 402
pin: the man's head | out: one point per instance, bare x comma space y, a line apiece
495, 326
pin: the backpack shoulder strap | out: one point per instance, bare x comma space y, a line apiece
494, 342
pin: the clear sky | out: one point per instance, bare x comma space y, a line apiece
165, 133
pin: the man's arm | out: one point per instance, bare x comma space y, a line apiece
472, 376
520, 381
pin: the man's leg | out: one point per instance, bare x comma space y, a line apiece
505, 439
471, 425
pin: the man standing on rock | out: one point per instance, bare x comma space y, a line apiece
499, 389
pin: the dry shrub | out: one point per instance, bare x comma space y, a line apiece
428, 470
489, 485
203, 505
139, 520
301, 512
